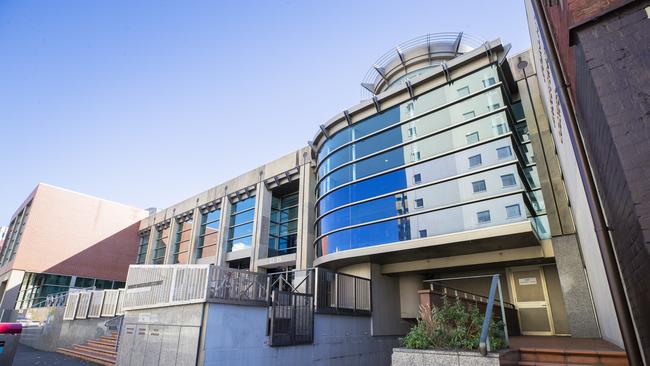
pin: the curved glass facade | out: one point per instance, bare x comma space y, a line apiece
442, 163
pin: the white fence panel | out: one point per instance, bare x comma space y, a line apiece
110, 302
71, 306
96, 302
120, 302
84, 305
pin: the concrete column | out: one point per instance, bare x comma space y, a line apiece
260, 247
575, 288
306, 216
220, 260
386, 318
14, 281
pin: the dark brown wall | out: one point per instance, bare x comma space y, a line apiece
612, 64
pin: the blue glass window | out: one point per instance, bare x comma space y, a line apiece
479, 186
504, 152
475, 161
508, 180
240, 229
513, 211
483, 217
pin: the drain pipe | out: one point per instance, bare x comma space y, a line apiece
595, 206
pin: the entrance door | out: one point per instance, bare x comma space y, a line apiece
531, 298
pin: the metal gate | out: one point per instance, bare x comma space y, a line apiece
291, 318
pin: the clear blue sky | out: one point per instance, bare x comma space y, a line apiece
150, 102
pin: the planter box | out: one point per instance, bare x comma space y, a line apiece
432, 357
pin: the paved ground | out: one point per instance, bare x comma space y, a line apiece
27, 356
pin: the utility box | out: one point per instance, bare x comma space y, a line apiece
9, 337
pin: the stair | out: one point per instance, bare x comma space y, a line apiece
102, 351
557, 357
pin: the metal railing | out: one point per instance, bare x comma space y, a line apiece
291, 318
495, 285
341, 293
234, 286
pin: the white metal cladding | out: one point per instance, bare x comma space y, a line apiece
190, 284
96, 302
109, 308
120, 302
150, 286
84, 305
71, 306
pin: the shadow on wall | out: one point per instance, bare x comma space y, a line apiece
108, 259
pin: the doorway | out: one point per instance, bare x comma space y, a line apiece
530, 296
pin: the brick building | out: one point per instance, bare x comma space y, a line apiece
597, 57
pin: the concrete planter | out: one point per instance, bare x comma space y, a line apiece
432, 357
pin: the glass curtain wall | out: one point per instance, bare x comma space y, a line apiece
283, 231
240, 230
409, 172
162, 240
208, 239
143, 245
181, 249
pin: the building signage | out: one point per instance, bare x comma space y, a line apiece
527, 281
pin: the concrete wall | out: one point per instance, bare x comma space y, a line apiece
47, 330
236, 335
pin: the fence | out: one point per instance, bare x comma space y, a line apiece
341, 293
291, 318
233, 286
93, 304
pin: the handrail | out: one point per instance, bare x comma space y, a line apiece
119, 319
477, 296
494, 286
58, 298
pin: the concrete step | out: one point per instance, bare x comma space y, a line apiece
87, 356
103, 342
109, 338
99, 351
553, 356
101, 345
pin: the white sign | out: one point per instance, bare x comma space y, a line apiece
527, 281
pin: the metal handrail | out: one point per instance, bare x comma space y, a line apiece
495, 285
118, 320
475, 296
58, 299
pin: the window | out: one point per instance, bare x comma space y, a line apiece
240, 231
412, 131
417, 178
419, 203
423, 233
463, 91
504, 152
162, 238
479, 186
469, 115
206, 245
142, 247
483, 217
472, 137
182, 241
494, 107
475, 161
513, 211
500, 129
508, 180
283, 233
489, 81
415, 156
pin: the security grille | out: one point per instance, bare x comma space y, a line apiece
291, 318
96, 302
71, 306
110, 302
84, 305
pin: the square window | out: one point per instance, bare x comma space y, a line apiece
513, 211
412, 131
500, 129
472, 137
504, 152
479, 186
508, 180
415, 156
463, 91
494, 107
419, 203
475, 161
469, 115
489, 81
423, 233
417, 178
483, 217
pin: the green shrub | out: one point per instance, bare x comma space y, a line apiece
452, 326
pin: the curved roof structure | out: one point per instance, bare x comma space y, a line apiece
413, 58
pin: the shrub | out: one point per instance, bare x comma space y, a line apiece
453, 326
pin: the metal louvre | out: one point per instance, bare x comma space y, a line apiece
149, 286
120, 302
96, 302
109, 308
84, 305
71, 306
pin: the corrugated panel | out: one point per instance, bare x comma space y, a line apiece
84, 305
71, 306
96, 302
120, 302
110, 302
